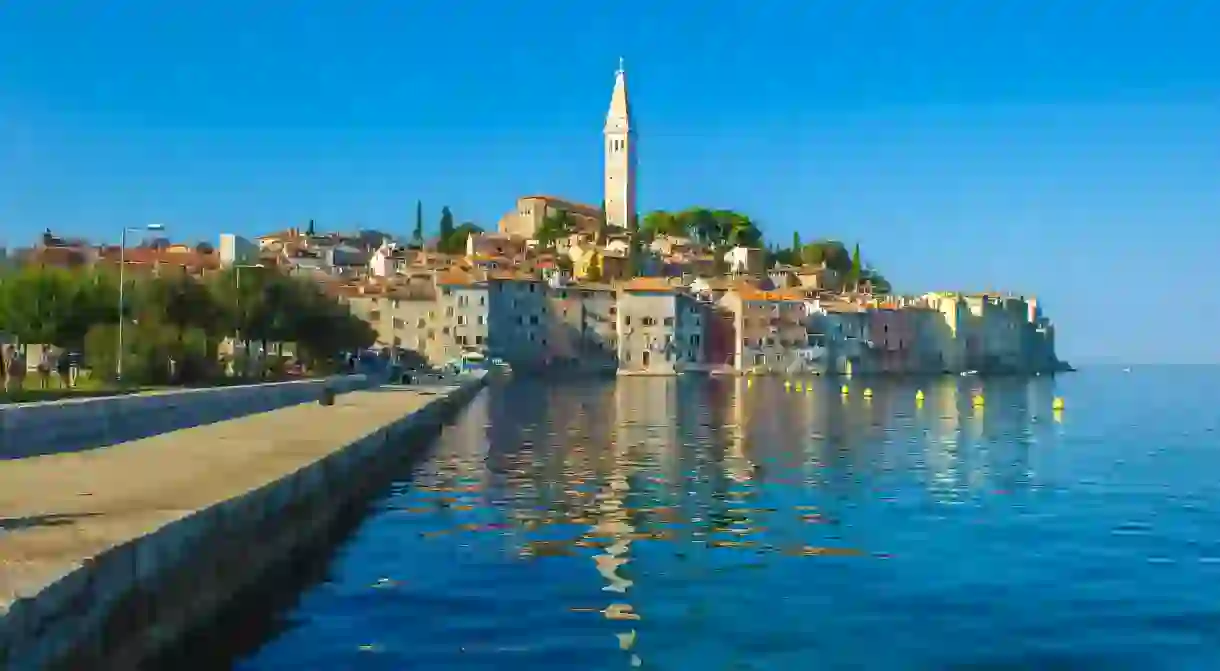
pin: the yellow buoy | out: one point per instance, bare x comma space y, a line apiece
978, 400
1057, 404
1057, 415
787, 384
918, 394
868, 393
844, 390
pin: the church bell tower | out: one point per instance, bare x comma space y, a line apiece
620, 155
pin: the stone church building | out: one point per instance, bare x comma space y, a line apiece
619, 147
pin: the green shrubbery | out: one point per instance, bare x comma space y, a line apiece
174, 324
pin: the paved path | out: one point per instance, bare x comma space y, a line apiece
56, 510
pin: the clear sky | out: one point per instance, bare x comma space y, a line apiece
1064, 148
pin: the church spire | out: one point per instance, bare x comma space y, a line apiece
619, 116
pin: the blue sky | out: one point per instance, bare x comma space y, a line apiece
1069, 149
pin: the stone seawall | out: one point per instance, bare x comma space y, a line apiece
136, 599
30, 429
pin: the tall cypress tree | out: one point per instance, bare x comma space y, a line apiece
419, 221
855, 266
446, 232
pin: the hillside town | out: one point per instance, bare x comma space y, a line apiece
563, 285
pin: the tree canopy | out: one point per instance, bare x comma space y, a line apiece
174, 316
718, 229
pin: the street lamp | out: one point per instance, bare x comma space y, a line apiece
118, 366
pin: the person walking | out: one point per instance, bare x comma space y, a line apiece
6, 353
44, 367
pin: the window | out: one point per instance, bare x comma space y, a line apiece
645, 357
375, 314
627, 320
445, 331
533, 320
398, 323
421, 323
449, 312
478, 340
669, 321
760, 359
482, 300
649, 321
480, 320
461, 320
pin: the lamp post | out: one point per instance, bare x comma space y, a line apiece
118, 365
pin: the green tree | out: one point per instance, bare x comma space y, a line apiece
854, 275
457, 240
603, 225
310, 229
557, 225
36, 304
660, 222
446, 230
796, 244
418, 235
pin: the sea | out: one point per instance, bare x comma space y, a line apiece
733, 523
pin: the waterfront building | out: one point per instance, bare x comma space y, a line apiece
843, 329
659, 328
462, 315
892, 338
517, 319
771, 329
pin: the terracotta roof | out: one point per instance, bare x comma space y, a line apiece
150, 256
57, 256
284, 235
779, 295
511, 275
454, 278
841, 307
571, 206
653, 284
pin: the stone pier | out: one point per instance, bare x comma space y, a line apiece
108, 556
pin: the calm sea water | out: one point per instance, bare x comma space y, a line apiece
715, 524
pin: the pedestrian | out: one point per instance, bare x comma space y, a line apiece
16, 370
5, 355
63, 369
44, 367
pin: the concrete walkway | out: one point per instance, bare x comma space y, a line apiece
57, 510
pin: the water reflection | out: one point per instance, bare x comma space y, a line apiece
652, 505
